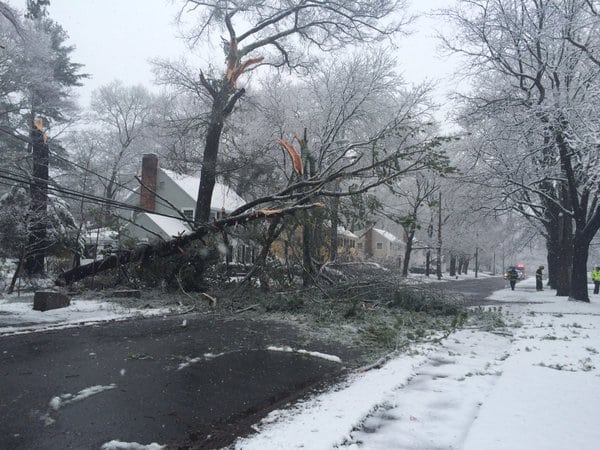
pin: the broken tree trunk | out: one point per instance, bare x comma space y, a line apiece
173, 246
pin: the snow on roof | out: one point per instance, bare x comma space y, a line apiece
341, 230
170, 225
386, 234
224, 197
344, 232
102, 235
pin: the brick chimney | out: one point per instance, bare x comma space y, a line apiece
149, 173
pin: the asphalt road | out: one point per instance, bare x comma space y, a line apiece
472, 291
152, 399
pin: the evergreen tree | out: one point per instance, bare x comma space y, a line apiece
36, 83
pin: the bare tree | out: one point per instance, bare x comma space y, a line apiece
278, 34
415, 193
124, 111
534, 109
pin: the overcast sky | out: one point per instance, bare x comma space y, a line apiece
115, 39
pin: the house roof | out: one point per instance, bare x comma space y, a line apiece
341, 231
344, 232
223, 197
169, 225
386, 234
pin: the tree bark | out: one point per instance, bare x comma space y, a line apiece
38, 220
410, 236
452, 265
308, 269
465, 265
208, 173
171, 247
578, 288
224, 100
334, 242
587, 222
560, 257
438, 267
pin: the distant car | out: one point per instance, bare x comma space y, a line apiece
520, 272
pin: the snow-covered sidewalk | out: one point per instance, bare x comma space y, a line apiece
537, 387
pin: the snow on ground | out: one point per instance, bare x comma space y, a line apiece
118, 445
432, 278
17, 315
287, 349
206, 357
536, 389
63, 400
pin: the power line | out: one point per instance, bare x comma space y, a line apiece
102, 177
77, 195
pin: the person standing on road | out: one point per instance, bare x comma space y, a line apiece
596, 279
538, 279
512, 275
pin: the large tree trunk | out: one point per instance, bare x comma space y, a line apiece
560, 260
333, 238
584, 234
552, 257
174, 246
409, 244
579, 290
466, 262
224, 99
559, 242
452, 265
38, 220
587, 222
308, 268
208, 173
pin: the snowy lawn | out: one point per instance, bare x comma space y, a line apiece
532, 385
17, 314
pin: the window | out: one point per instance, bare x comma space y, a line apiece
360, 245
188, 213
380, 246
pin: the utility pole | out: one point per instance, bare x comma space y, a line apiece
439, 247
476, 261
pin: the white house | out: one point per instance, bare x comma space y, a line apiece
381, 246
169, 201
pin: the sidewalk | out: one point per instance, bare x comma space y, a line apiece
535, 387
548, 396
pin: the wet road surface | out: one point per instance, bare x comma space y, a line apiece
473, 291
198, 385
159, 386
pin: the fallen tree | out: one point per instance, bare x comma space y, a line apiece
176, 245
367, 170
